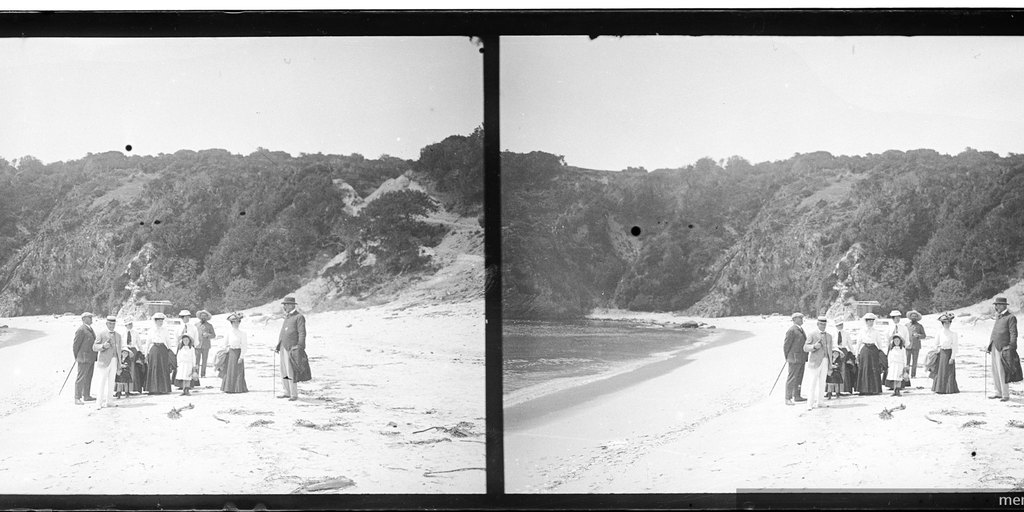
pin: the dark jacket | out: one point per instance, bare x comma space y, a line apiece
293, 332
206, 335
84, 338
1004, 332
793, 348
916, 335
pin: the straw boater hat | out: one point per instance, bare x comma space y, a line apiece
914, 315
111, 318
159, 316
895, 312
823, 319
184, 312
235, 316
129, 321
1001, 300
838, 321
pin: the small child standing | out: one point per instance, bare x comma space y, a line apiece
897, 362
834, 381
186, 360
124, 375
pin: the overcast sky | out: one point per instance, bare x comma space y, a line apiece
662, 101
63, 98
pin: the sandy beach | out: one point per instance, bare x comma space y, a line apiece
396, 405
709, 425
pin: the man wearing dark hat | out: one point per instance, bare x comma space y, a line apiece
86, 359
793, 350
1004, 338
292, 338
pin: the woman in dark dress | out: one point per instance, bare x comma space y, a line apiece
869, 371
158, 376
947, 346
235, 346
848, 361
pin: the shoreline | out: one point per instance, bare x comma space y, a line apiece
11, 336
525, 410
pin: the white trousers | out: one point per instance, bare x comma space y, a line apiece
105, 387
814, 382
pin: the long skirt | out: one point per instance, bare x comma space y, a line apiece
138, 373
945, 375
234, 376
849, 376
869, 371
158, 376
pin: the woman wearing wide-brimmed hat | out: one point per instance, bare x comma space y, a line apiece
235, 346
947, 345
869, 371
158, 371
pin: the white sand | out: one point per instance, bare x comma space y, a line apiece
379, 374
710, 426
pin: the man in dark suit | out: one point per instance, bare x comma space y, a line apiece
86, 358
793, 349
293, 337
1004, 337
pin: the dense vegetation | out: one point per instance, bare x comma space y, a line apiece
209, 229
910, 229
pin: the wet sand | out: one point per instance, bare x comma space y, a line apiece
549, 407
10, 337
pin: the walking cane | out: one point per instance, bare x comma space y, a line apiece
66, 378
777, 378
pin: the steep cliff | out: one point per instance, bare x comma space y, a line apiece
812, 233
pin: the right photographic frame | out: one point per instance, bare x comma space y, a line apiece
744, 264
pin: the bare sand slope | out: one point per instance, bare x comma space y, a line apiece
710, 426
380, 375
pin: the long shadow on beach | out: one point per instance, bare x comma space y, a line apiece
533, 411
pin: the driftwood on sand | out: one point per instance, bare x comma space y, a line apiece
461, 429
176, 413
886, 414
339, 482
430, 473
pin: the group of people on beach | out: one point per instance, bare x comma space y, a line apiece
825, 367
132, 363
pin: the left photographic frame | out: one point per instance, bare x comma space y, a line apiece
327, 189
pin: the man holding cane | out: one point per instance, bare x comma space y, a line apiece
793, 350
86, 358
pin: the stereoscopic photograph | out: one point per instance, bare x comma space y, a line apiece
762, 263
241, 266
